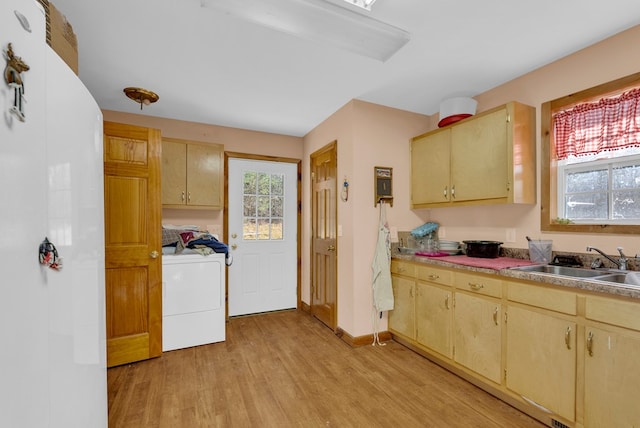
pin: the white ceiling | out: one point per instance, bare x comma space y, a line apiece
214, 68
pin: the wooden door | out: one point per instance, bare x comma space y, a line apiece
430, 168
324, 275
133, 240
479, 158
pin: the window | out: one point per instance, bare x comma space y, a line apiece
263, 202
591, 160
606, 191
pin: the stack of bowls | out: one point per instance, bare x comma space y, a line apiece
450, 247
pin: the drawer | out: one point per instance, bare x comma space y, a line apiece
612, 311
479, 284
434, 274
543, 297
402, 268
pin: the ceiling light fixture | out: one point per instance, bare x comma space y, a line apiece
320, 21
365, 4
141, 95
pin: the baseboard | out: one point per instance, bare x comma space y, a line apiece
305, 307
355, 342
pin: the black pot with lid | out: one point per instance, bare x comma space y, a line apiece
482, 249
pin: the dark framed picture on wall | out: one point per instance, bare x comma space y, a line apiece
383, 188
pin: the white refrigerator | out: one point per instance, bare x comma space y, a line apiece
52, 322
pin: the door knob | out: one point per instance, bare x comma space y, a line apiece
154, 254
234, 246
234, 236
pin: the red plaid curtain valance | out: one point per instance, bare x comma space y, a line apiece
610, 124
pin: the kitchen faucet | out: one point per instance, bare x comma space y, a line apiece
621, 262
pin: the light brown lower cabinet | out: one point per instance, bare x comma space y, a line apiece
565, 356
612, 363
478, 334
434, 317
541, 360
402, 318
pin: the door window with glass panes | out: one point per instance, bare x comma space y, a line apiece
263, 202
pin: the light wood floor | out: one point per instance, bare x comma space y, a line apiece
286, 369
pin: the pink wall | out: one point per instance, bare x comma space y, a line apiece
368, 135
233, 139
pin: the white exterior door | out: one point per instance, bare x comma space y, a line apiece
262, 230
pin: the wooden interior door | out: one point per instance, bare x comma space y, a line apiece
324, 275
133, 241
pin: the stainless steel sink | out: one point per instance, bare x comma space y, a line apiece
614, 277
561, 271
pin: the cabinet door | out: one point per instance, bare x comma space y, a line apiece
612, 379
478, 335
174, 171
541, 359
430, 168
204, 172
402, 317
434, 318
480, 158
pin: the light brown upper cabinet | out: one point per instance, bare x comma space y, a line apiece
192, 174
485, 159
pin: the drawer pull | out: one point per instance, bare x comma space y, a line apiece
433, 276
475, 286
590, 344
445, 192
495, 315
567, 337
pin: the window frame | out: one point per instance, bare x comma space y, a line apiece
549, 170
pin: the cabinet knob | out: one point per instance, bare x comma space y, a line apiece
154, 254
444, 192
590, 344
234, 246
453, 191
182, 196
189, 197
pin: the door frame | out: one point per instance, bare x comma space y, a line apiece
225, 215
